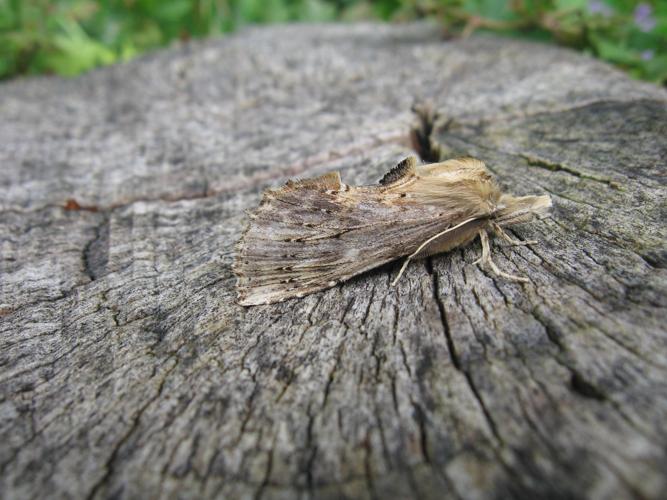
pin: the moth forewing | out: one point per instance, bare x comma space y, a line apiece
312, 234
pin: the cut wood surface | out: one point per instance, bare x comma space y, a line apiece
127, 370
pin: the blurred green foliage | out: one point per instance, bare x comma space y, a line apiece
68, 37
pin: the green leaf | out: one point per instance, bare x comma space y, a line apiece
611, 51
655, 69
385, 9
172, 10
492, 9
76, 52
315, 10
571, 4
262, 11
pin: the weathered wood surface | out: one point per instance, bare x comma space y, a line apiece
127, 371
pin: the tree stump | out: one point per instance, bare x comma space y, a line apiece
128, 370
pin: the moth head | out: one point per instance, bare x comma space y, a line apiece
517, 209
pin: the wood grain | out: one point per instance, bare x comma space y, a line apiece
127, 370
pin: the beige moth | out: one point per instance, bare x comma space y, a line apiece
312, 234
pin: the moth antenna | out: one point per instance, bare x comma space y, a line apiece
486, 259
421, 247
500, 232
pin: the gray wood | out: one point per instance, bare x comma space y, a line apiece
127, 371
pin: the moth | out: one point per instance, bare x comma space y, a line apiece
312, 234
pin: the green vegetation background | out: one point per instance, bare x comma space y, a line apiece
68, 37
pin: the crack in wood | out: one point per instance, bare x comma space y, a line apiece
340, 349
95, 254
420, 418
455, 359
368, 471
267, 472
553, 166
250, 184
134, 425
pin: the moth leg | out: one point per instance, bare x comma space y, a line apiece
421, 247
501, 232
486, 259
486, 249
